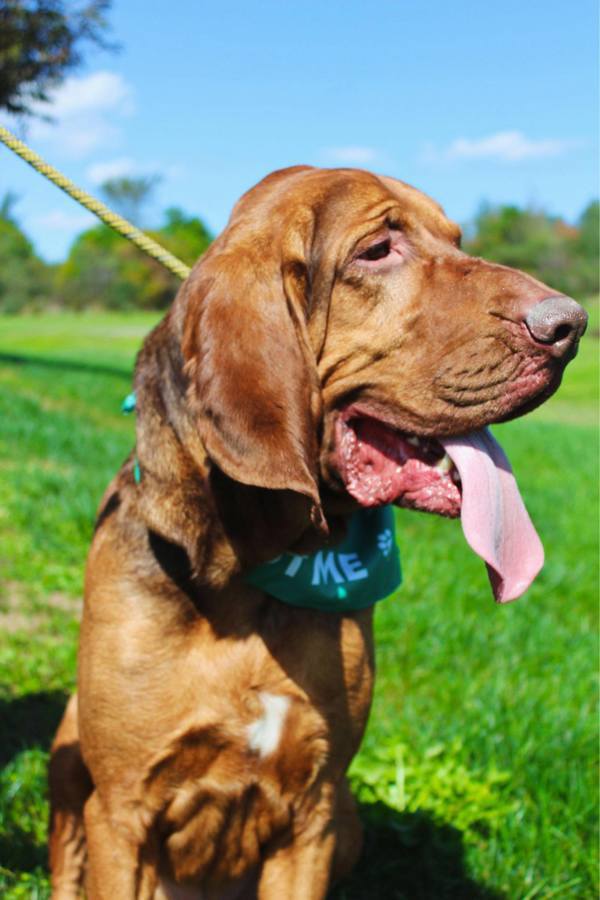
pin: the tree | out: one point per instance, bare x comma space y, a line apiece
130, 196
561, 255
587, 247
103, 270
40, 41
185, 236
7, 205
589, 230
25, 281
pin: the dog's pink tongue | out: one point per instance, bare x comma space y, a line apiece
494, 519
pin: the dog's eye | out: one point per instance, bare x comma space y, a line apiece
377, 251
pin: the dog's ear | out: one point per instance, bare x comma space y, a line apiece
254, 391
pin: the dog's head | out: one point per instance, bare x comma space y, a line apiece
338, 340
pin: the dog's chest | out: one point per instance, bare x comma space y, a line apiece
257, 752
220, 792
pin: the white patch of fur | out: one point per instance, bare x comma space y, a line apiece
265, 733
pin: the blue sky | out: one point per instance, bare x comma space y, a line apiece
469, 101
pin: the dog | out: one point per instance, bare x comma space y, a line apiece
333, 352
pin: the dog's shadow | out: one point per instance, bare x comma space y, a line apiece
26, 723
29, 722
409, 856
70, 365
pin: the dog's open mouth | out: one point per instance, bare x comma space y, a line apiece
382, 465
467, 475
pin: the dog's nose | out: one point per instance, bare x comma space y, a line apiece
557, 322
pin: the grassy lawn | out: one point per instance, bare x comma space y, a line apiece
477, 778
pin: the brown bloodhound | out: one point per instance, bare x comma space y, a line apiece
333, 350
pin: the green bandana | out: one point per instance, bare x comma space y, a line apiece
357, 573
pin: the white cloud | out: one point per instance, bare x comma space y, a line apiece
71, 138
504, 146
58, 219
351, 155
114, 168
123, 166
97, 92
84, 113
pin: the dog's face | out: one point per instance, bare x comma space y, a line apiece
336, 332
423, 341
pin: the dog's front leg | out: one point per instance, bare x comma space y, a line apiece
299, 867
297, 872
116, 869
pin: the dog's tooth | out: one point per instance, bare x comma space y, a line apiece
413, 440
444, 465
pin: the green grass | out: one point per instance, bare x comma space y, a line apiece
477, 774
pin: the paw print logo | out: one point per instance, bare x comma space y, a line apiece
384, 541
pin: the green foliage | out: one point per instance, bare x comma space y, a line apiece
437, 782
24, 278
103, 270
564, 257
477, 777
589, 229
586, 249
186, 237
23, 814
22, 785
128, 195
40, 41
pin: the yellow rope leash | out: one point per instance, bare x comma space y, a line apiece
141, 240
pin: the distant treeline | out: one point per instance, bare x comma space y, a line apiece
102, 270
561, 255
